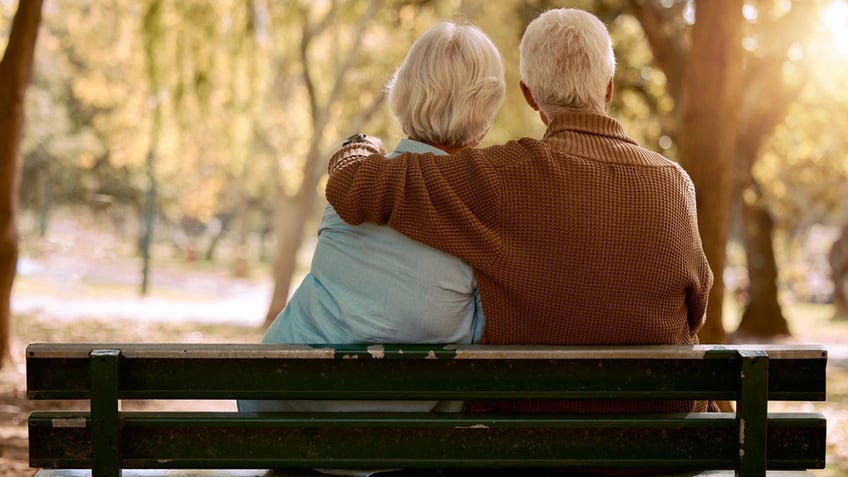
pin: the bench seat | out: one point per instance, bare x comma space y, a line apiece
404, 473
748, 441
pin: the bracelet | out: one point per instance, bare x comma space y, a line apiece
358, 137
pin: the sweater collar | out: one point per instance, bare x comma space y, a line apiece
411, 145
587, 123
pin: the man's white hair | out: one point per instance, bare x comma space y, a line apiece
567, 60
449, 87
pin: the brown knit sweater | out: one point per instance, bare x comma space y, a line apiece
583, 237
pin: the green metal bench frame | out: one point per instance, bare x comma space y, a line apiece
749, 441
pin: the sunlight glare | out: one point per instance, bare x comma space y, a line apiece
836, 19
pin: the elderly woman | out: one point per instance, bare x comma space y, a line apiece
370, 284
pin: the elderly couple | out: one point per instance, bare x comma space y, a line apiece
581, 237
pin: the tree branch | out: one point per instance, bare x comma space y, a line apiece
667, 40
352, 54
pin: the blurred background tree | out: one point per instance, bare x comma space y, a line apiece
214, 120
16, 68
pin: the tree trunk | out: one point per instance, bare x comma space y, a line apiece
15, 75
217, 234
290, 223
240, 265
708, 134
292, 218
838, 258
45, 202
152, 32
763, 316
149, 216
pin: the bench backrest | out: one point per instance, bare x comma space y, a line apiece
749, 440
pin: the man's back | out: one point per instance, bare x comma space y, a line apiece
600, 241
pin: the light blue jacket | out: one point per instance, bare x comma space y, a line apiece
370, 284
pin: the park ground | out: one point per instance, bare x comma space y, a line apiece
79, 284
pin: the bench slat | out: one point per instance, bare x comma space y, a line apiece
177, 371
405, 473
233, 440
416, 351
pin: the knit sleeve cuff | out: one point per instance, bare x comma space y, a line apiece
351, 153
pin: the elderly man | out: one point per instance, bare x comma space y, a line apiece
582, 237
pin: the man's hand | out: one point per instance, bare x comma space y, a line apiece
355, 148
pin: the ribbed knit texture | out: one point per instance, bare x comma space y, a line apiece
583, 237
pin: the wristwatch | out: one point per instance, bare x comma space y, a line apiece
358, 137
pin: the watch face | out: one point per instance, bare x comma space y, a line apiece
358, 137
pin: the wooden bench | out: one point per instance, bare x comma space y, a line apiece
106, 439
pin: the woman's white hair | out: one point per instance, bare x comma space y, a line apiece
567, 60
449, 87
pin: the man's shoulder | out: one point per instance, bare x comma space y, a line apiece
633, 154
654, 158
